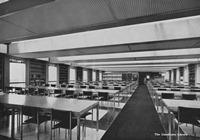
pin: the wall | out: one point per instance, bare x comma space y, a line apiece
186, 76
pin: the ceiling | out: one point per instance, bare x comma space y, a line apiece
108, 35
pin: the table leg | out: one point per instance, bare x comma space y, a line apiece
13, 124
78, 127
38, 125
21, 115
97, 117
169, 123
162, 109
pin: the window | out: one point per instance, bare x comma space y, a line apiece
17, 73
72, 77
100, 76
93, 75
52, 74
85, 76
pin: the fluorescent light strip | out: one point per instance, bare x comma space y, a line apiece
140, 62
176, 52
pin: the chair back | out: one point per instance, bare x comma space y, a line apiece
189, 96
69, 92
175, 89
117, 88
29, 111
63, 86
162, 89
87, 93
41, 90
104, 95
58, 91
83, 86
53, 85
104, 87
59, 115
195, 90
91, 87
167, 95
70, 86
188, 115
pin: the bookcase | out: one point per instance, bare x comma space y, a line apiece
2, 56
191, 69
89, 75
63, 73
37, 72
97, 75
79, 74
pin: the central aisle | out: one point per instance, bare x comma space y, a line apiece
138, 120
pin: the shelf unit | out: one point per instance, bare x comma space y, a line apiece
89, 75
191, 68
112, 76
2, 57
97, 75
37, 72
63, 73
79, 74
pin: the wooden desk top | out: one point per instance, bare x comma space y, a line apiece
173, 104
74, 105
177, 93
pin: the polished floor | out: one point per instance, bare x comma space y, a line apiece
106, 116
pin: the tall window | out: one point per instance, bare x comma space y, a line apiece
17, 73
52, 74
85, 76
72, 77
100, 76
93, 75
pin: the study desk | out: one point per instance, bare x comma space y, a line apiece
113, 93
172, 106
78, 107
176, 94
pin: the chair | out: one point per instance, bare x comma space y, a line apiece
104, 87
46, 85
41, 92
103, 96
65, 120
9, 89
53, 85
175, 89
35, 116
83, 86
189, 96
189, 116
69, 94
167, 95
162, 89
70, 86
195, 90
31, 91
91, 87
88, 95
18, 90
117, 88
63, 86
58, 93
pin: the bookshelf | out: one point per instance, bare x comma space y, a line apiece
63, 73
191, 68
79, 74
37, 72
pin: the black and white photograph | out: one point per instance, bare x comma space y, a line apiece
99, 69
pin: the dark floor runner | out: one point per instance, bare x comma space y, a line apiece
138, 120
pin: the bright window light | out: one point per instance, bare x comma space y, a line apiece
3, 1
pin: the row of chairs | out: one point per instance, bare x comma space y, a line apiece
184, 96
59, 119
177, 89
185, 114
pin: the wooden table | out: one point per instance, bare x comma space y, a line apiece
78, 107
176, 94
172, 106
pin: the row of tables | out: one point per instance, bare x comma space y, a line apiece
173, 104
78, 107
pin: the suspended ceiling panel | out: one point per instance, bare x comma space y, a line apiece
69, 16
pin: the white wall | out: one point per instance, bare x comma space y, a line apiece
186, 76
166, 76
178, 76
172, 76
